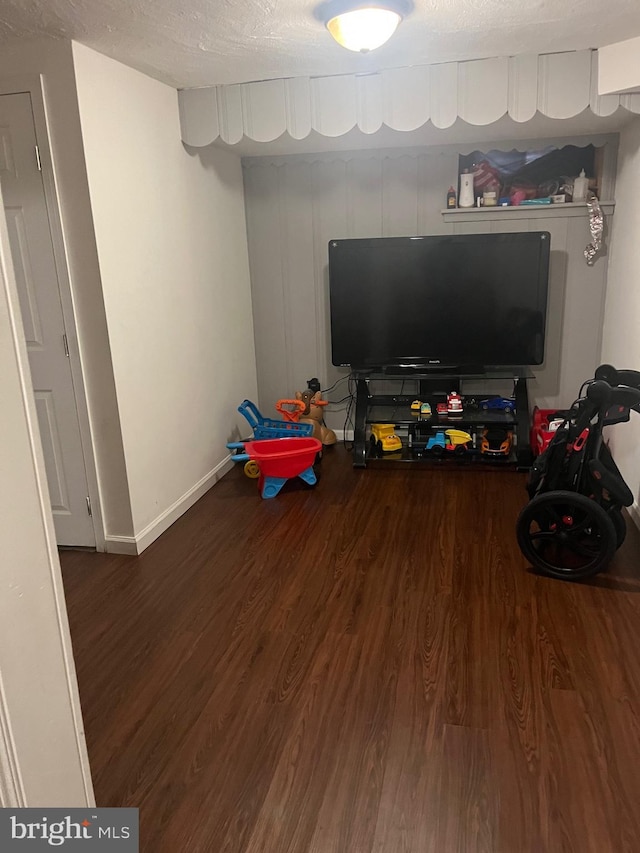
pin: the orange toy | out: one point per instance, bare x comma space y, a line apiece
292, 415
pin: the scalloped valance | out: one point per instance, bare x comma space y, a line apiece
558, 85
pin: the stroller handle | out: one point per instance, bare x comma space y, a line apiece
624, 384
626, 396
629, 378
603, 395
599, 393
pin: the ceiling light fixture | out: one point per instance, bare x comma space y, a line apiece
363, 26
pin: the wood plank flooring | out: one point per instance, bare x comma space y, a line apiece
366, 666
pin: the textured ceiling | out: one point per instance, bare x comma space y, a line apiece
206, 42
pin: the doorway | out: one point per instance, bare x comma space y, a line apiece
39, 279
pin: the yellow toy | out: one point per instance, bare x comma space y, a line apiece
458, 441
383, 436
458, 436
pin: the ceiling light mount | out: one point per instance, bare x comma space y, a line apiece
363, 25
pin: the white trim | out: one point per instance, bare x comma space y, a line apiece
478, 92
344, 435
634, 514
11, 787
12, 794
121, 545
68, 715
33, 84
134, 545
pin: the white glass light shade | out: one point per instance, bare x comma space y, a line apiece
364, 29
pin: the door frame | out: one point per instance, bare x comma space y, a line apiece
33, 85
43, 753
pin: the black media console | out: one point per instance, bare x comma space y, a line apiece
415, 429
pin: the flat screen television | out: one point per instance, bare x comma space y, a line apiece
462, 301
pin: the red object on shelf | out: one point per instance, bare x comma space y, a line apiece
541, 432
454, 403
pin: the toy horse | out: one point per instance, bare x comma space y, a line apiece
312, 414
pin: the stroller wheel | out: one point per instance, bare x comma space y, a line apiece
619, 525
566, 535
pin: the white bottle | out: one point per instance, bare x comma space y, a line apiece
580, 187
466, 190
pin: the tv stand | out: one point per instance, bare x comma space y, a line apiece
433, 388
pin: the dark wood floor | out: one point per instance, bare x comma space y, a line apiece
363, 666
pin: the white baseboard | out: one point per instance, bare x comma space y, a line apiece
634, 512
343, 435
134, 545
173, 513
120, 545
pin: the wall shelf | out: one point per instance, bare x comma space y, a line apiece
527, 211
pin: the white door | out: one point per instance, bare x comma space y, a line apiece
35, 268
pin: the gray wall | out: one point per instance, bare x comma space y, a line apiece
296, 204
621, 342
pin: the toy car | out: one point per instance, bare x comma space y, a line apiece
441, 408
544, 424
453, 440
454, 403
498, 404
496, 441
416, 407
436, 443
384, 438
458, 441
425, 410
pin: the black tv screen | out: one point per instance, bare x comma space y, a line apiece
459, 301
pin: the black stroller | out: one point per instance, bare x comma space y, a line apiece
573, 523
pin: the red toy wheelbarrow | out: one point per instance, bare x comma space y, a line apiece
279, 459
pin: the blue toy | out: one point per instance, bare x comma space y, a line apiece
437, 443
498, 404
268, 427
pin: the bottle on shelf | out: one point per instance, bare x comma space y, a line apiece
451, 198
466, 189
580, 187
